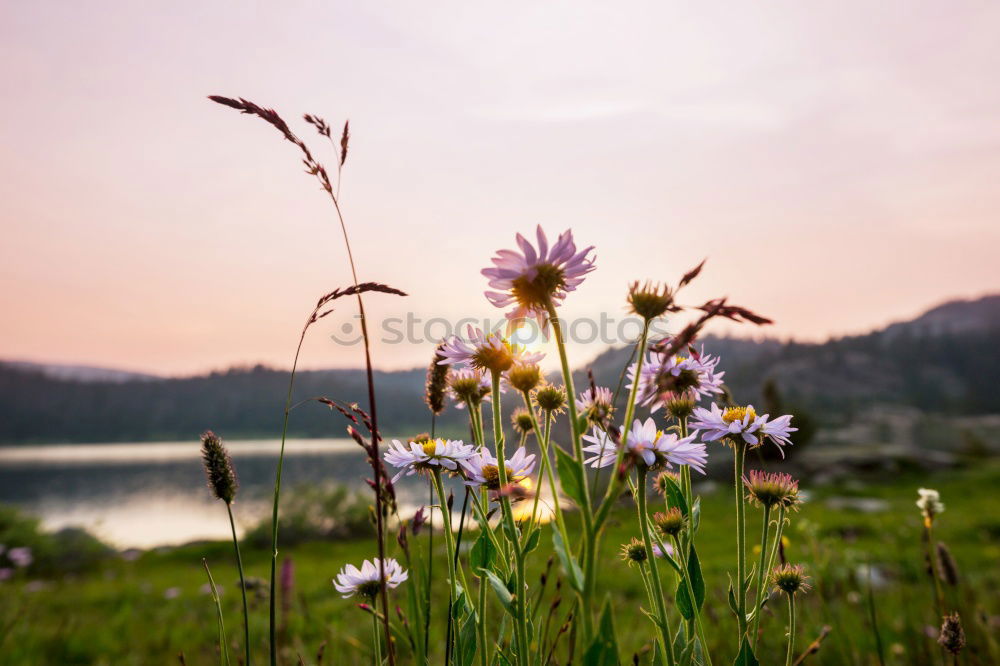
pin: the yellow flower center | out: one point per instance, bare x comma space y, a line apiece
738, 413
430, 447
492, 476
536, 293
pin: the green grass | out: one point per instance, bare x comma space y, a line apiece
121, 614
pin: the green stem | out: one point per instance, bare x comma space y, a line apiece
790, 653
543, 445
376, 639
508, 517
698, 625
223, 644
739, 451
243, 584
932, 562
449, 542
614, 487
759, 587
274, 509
661, 610
779, 530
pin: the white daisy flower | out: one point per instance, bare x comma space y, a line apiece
482, 469
649, 446
422, 456
366, 581
929, 503
742, 423
532, 279
486, 351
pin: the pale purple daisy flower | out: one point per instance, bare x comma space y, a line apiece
597, 405
20, 557
735, 423
531, 279
367, 581
663, 378
423, 456
486, 351
659, 553
646, 444
468, 386
482, 469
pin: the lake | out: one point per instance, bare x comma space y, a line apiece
149, 494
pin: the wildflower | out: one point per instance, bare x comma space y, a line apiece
952, 637
482, 468
367, 582
680, 408
522, 421
20, 557
428, 455
790, 578
772, 489
469, 387
649, 446
486, 351
596, 404
650, 301
948, 568
218, 467
658, 552
670, 523
437, 382
744, 423
929, 504
660, 481
533, 280
667, 378
524, 377
633, 552
550, 398
172, 593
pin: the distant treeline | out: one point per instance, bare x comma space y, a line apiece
952, 373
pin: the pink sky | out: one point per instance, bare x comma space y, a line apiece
836, 161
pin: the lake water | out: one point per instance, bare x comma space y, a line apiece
149, 494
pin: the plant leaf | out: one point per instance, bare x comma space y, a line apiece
570, 566
467, 641
531, 542
570, 476
483, 553
603, 650
506, 599
746, 656
675, 497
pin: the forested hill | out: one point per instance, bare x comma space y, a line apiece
947, 360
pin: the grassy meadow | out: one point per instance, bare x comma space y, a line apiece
154, 608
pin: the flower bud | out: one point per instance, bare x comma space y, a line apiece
670, 523
952, 637
550, 398
790, 578
521, 420
524, 377
649, 300
218, 467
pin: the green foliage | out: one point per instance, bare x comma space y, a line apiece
69, 550
603, 650
311, 513
570, 476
